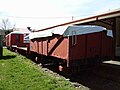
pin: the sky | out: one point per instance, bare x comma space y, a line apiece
39, 14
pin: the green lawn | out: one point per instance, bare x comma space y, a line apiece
19, 73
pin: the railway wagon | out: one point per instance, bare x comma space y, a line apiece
73, 46
14, 39
24, 49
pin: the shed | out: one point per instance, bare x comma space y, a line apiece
1, 46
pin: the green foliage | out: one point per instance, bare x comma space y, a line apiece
19, 73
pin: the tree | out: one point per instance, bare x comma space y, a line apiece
7, 27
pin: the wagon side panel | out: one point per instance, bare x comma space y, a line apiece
13, 39
51, 43
20, 40
93, 45
10, 43
40, 47
36, 46
32, 46
77, 48
107, 46
7, 41
58, 47
45, 47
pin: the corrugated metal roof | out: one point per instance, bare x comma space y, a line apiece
105, 15
40, 34
69, 31
82, 29
22, 30
17, 32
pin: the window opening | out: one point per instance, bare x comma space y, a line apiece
74, 38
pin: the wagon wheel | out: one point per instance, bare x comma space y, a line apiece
67, 71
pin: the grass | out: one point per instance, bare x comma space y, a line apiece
19, 73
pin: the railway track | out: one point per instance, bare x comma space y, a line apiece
104, 77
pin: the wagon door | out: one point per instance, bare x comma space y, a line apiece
93, 45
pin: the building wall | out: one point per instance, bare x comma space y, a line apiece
118, 32
117, 36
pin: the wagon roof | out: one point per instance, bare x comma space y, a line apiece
18, 32
67, 31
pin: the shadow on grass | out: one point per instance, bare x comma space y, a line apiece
8, 57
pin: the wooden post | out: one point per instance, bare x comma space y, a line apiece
1, 43
114, 36
1, 48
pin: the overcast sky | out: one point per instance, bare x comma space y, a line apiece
43, 13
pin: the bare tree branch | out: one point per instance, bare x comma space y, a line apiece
6, 25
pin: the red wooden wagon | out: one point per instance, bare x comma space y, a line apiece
74, 46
